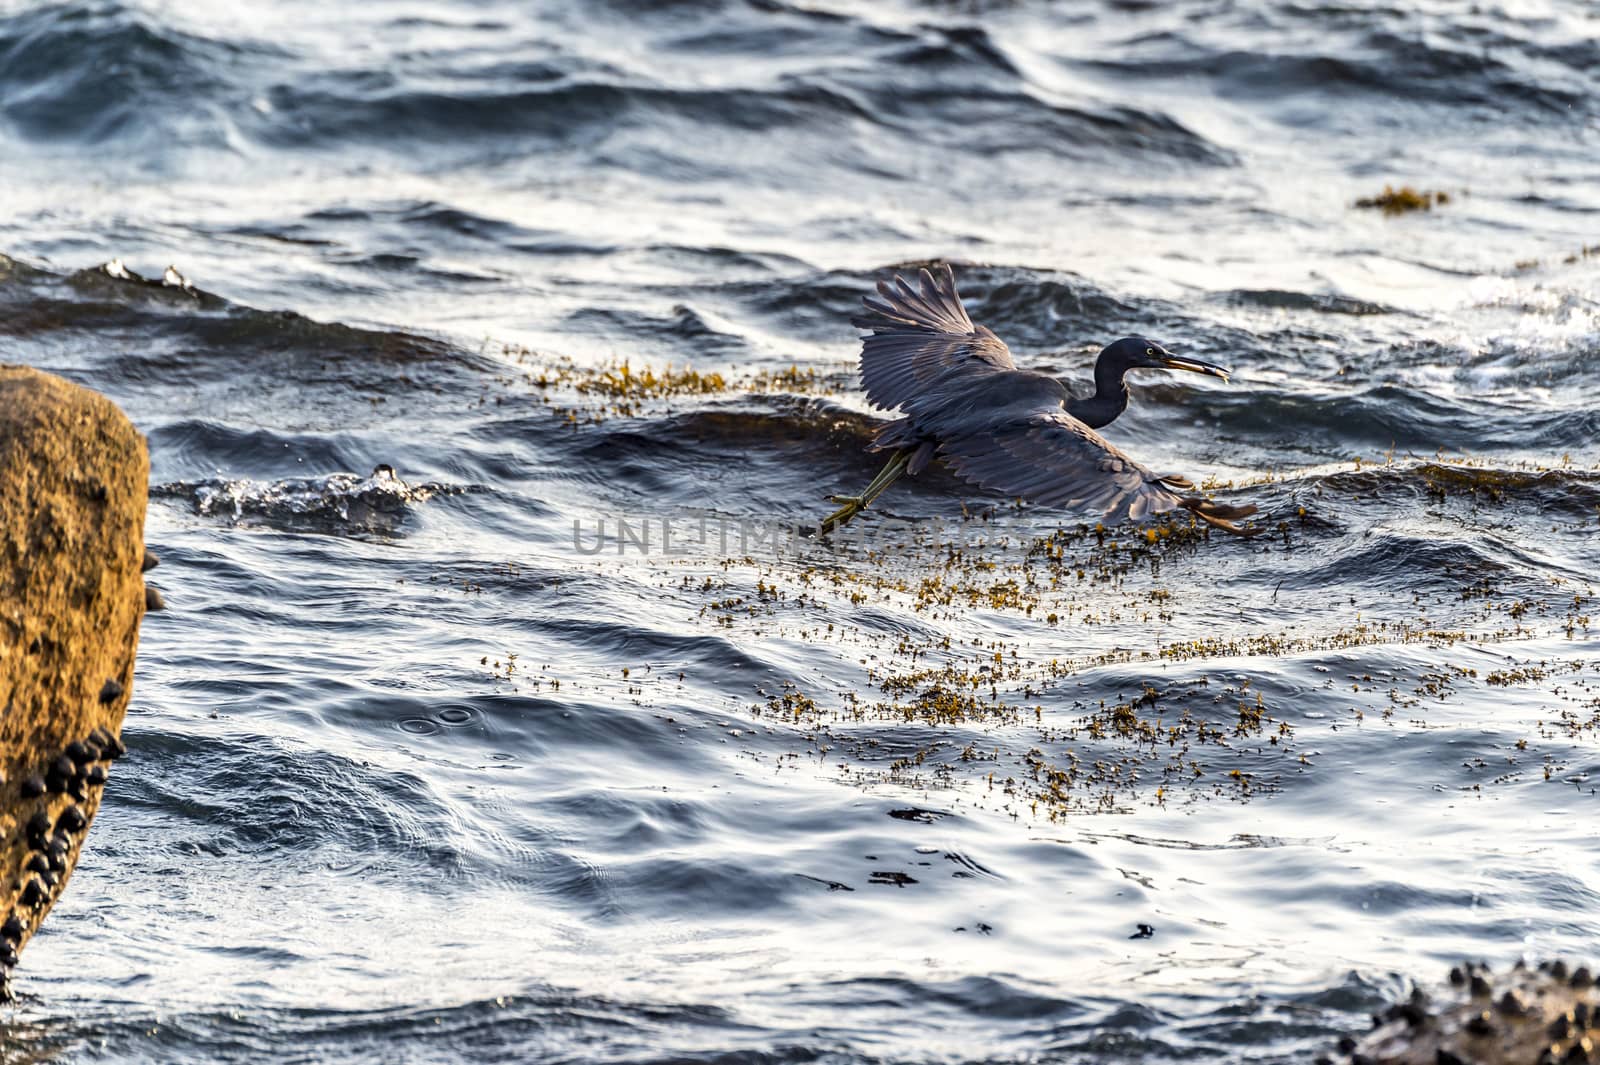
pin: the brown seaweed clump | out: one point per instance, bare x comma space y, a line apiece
1403, 200
581, 393
73, 480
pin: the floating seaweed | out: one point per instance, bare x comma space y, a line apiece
591, 393
1403, 200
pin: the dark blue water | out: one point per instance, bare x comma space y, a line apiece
416, 777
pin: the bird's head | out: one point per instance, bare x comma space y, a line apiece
1135, 353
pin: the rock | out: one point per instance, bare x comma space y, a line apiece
73, 479
1535, 1016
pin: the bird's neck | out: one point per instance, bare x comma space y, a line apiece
1109, 400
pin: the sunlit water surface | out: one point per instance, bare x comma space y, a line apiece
417, 777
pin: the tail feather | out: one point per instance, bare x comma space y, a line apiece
1221, 515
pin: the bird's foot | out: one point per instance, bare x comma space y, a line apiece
1222, 516
851, 506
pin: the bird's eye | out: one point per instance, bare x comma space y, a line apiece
1150, 351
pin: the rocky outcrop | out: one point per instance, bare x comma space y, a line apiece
73, 480
1527, 1016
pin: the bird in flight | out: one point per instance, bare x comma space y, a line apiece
961, 398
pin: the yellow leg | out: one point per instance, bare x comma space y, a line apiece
853, 505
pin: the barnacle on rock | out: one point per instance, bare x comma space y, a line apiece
66, 658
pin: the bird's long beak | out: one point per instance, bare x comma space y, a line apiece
1178, 362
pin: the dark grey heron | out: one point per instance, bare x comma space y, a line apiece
962, 398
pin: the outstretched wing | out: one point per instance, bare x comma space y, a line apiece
921, 338
1052, 458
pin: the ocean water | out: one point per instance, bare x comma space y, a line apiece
440, 753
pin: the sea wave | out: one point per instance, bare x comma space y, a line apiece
337, 503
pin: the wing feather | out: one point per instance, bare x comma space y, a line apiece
922, 338
1052, 458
